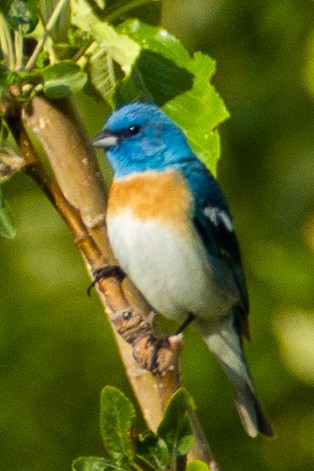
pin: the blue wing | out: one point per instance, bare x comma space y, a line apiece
215, 226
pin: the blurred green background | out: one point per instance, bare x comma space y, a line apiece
56, 350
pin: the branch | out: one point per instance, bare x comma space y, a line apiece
79, 196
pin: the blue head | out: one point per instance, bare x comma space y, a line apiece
139, 137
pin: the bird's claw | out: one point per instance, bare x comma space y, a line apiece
107, 271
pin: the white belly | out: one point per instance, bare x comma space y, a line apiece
172, 273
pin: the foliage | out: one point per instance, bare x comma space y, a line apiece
152, 64
125, 61
60, 48
56, 348
127, 450
7, 226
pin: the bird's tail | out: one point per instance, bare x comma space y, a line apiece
225, 342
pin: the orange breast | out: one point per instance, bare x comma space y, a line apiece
160, 196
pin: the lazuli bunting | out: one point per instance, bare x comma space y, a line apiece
172, 232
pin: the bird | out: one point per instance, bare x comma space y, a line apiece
171, 230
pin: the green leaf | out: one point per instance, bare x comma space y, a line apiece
94, 463
117, 416
63, 79
146, 10
83, 16
7, 225
78, 38
119, 46
197, 465
112, 47
23, 14
175, 427
7, 78
43, 59
152, 450
5, 5
100, 73
199, 111
122, 49
197, 108
142, 84
157, 40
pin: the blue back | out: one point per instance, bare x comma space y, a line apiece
218, 239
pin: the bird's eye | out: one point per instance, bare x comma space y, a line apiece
128, 132
134, 129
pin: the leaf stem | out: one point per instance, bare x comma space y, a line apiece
48, 28
136, 466
6, 43
18, 47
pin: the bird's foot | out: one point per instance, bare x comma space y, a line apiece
107, 271
157, 355
187, 321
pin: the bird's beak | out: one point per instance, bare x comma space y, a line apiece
104, 139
